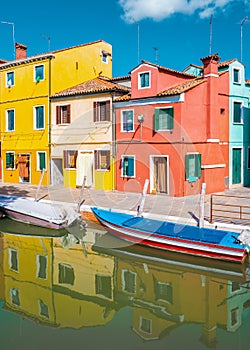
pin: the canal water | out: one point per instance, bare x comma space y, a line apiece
87, 290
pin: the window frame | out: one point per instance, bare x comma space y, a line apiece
38, 265
60, 116
124, 111
8, 129
124, 289
67, 159
11, 251
97, 115
143, 319
38, 160
140, 87
101, 284
235, 69
36, 80
197, 164
14, 164
241, 112
98, 160
35, 116
170, 119
123, 168
42, 307
12, 79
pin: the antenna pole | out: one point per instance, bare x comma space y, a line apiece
241, 35
138, 41
156, 54
211, 34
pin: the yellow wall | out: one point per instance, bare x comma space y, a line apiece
62, 69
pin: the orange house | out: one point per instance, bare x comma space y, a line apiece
172, 129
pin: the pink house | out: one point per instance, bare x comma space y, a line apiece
172, 129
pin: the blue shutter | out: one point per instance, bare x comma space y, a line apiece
131, 171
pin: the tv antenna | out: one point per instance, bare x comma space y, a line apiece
47, 38
211, 34
156, 54
245, 19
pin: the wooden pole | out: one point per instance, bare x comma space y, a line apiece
141, 205
202, 204
39, 185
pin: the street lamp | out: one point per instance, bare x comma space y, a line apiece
13, 34
140, 119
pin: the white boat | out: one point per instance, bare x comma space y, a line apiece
34, 212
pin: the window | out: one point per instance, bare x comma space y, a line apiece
193, 166
10, 120
234, 316
10, 160
236, 75
163, 291
10, 79
127, 122
63, 114
102, 111
41, 161
66, 274
13, 259
69, 159
164, 119
43, 309
128, 166
39, 117
15, 297
39, 73
102, 160
103, 286
237, 112
129, 281
144, 80
145, 325
42, 263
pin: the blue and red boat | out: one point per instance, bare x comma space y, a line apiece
174, 237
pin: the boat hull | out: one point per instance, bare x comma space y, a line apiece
32, 212
172, 244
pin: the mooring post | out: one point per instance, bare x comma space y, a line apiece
39, 185
202, 204
141, 205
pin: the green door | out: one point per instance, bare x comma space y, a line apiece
236, 179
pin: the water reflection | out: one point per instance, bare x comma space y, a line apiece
78, 281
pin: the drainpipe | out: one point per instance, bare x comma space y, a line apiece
49, 126
113, 143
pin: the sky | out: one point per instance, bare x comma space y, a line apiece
171, 33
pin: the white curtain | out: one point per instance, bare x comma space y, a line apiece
84, 167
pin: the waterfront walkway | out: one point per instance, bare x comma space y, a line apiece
181, 209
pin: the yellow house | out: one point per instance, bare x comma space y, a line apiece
82, 133
25, 106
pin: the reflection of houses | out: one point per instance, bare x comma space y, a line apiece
27, 84
28, 277
1, 268
82, 132
83, 285
164, 295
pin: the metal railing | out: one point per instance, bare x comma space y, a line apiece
229, 208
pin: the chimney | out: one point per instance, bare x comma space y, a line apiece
211, 73
20, 51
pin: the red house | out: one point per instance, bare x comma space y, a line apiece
173, 130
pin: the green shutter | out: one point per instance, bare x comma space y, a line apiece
156, 119
170, 118
198, 165
187, 166
131, 166
42, 164
9, 160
